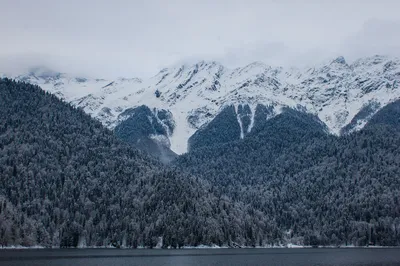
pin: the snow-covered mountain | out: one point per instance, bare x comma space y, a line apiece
344, 96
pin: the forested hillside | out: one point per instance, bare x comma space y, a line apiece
67, 181
317, 188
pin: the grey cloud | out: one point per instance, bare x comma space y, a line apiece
137, 38
376, 37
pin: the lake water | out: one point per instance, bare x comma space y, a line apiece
197, 257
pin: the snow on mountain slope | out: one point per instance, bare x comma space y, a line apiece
195, 94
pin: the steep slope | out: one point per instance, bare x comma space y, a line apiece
388, 115
223, 128
67, 181
255, 152
361, 118
320, 189
148, 130
337, 92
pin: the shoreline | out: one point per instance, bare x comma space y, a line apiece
196, 248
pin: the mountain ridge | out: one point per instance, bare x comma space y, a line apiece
195, 94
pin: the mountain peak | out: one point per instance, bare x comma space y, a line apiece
207, 63
43, 72
256, 64
339, 60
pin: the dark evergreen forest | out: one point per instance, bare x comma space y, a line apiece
314, 188
66, 181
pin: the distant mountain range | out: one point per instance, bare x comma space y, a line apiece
181, 100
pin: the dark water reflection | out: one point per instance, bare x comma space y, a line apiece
218, 257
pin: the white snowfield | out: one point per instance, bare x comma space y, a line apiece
335, 91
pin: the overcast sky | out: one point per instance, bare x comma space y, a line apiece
137, 38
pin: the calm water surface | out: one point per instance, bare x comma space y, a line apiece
197, 257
